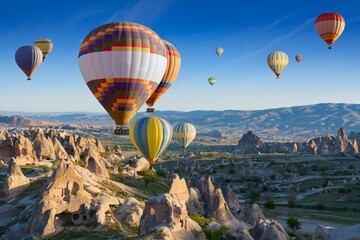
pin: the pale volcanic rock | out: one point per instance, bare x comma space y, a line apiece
250, 214
24, 151
231, 198
104, 203
94, 163
166, 211
99, 146
311, 147
130, 211
266, 229
341, 140
222, 214
64, 196
60, 152
43, 147
194, 204
329, 233
179, 189
15, 182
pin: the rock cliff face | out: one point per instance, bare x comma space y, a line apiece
167, 215
94, 163
64, 202
250, 143
48, 144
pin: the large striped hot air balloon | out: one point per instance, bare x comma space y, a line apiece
219, 51
171, 73
298, 58
329, 26
151, 136
212, 81
277, 61
45, 46
28, 58
184, 133
122, 63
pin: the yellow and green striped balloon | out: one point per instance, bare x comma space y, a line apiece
184, 133
151, 136
277, 61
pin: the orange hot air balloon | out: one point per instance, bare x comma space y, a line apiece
330, 26
171, 73
298, 58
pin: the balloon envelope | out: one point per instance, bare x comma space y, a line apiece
298, 58
151, 136
171, 73
219, 51
277, 61
45, 46
212, 80
184, 133
329, 26
122, 63
28, 58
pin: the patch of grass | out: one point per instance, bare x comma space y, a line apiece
115, 189
152, 189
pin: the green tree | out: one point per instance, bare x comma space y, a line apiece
254, 195
293, 223
149, 177
269, 204
292, 201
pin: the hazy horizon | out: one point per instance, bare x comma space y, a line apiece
174, 110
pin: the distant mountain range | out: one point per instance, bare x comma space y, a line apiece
300, 121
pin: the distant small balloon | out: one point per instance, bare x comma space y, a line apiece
28, 58
219, 51
184, 133
298, 58
212, 81
45, 46
277, 61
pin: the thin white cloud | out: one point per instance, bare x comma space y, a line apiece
272, 43
143, 11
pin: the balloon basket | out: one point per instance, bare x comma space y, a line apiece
121, 130
150, 110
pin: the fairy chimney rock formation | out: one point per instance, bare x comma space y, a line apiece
269, 229
24, 151
179, 189
64, 199
43, 147
60, 152
15, 181
94, 163
165, 211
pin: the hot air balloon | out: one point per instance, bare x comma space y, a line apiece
212, 81
151, 136
122, 63
172, 70
329, 26
28, 58
219, 51
45, 46
298, 58
184, 133
277, 61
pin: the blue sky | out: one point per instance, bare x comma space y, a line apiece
247, 30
